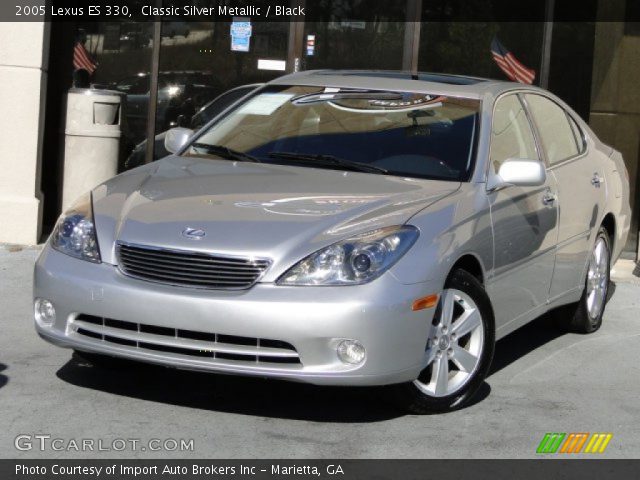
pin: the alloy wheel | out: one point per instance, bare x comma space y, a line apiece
597, 279
454, 347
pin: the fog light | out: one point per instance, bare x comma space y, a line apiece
351, 351
44, 311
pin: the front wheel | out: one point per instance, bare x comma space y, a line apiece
458, 352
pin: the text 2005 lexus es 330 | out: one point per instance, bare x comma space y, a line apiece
345, 228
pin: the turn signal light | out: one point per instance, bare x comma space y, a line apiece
425, 302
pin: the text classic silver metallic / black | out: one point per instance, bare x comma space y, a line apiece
345, 228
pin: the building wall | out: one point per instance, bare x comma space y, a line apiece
23, 77
615, 100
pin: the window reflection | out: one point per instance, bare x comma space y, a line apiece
353, 45
463, 48
203, 71
398, 133
120, 53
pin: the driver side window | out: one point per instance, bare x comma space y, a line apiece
511, 135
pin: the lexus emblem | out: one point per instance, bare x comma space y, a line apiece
193, 233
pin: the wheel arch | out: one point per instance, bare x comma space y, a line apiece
471, 264
609, 224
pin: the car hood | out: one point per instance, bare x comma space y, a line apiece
263, 210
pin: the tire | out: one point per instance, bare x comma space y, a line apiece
585, 316
462, 293
105, 362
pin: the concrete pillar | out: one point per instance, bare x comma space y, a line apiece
23, 76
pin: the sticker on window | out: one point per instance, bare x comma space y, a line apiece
265, 104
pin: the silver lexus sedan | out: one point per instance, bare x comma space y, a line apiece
345, 228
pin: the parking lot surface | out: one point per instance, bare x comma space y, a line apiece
542, 381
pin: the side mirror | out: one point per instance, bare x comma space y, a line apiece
517, 173
177, 138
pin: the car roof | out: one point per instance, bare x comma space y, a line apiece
437, 83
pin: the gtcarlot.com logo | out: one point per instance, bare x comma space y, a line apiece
45, 442
574, 442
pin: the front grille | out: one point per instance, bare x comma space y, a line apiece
189, 269
214, 346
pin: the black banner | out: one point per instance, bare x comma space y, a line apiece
318, 10
318, 469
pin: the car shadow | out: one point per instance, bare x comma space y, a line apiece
233, 394
242, 395
280, 399
611, 291
3, 378
530, 337
523, 341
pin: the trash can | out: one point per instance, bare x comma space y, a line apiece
92, 140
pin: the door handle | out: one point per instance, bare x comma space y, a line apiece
596, 180
548, 198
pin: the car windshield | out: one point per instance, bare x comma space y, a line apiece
379, 132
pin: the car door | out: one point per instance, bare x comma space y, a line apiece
581, 192
524, 221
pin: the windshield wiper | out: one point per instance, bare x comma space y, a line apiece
227, 153
327, 160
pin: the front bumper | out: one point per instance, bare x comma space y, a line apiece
311, 319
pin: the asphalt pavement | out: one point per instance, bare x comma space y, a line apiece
542, 381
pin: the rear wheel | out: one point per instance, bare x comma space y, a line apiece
586, 315
459, 349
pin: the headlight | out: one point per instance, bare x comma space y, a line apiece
75, 233
354, 261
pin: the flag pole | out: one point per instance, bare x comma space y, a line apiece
547, 34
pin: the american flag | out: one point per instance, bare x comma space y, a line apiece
510, 65
82, 59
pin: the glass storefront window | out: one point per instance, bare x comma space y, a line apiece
341, 39
204, 68
99, 55
121, 54
353, 45
463, 48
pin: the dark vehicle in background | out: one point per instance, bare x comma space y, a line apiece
134, 36
179, 93
172, 29
195, 122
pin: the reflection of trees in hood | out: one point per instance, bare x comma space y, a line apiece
309, 206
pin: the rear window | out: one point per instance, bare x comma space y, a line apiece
557, 135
